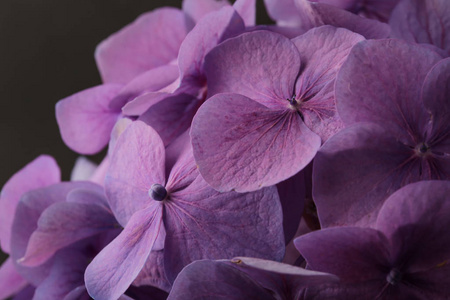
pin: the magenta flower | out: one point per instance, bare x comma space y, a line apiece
405, 255
407, 137
273, 126
178, 216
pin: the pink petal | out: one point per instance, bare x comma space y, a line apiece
152, 40
10, 281
85, 119
197, 9
247, 11
41, 172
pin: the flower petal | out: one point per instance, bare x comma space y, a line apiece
137, 163
41, 172
118, 264
85, 119
241, 145
10, 281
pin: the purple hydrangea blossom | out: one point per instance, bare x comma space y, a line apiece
404, 256
405, 141
273, 126
178, 214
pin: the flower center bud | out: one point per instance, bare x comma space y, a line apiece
394, 276
157, 192
422, 149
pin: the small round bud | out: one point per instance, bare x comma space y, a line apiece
157, 192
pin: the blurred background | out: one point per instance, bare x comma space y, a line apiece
46, 54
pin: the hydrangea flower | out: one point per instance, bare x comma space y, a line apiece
405, 255
272, 127
405, 141
179, 214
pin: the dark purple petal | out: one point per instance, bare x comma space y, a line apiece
137, 163
10, 281
25, 294
63, 224
420, 21
202, 223
66, 274
380, 82
118, 264
318, 14
29, 209
152, 40
415, 219
356, 170
322, 51
85, 119
41, 172
78, 293
212, 280
150, 81
153, 274
172, 116
351, 253
260, 65
436, 99
284, 280
241, 145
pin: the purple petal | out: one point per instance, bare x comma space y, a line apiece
356, 170
118, 264
283, 279
117, 130
247, 11
150, 81
318, 14
137, 163
65, 275
29, 209
171, 116
10, 281
269, 61
26, 293
197, 9
78, 293
353, 254
380, 82
415, 219
206, 279
41, 172
419, 21
436, 99
241, 145
202, 223
85, 119
322, 50
208, 33
283, 11
63, 224
152, 40
153, 274
141, 104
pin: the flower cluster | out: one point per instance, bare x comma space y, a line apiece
304, 160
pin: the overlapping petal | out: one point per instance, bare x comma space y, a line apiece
118, 264
422, 22
389, 92
146, 165
10, 281
242, 145
152, 40
41, 172
85, 119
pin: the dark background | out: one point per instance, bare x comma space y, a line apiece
46, 54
